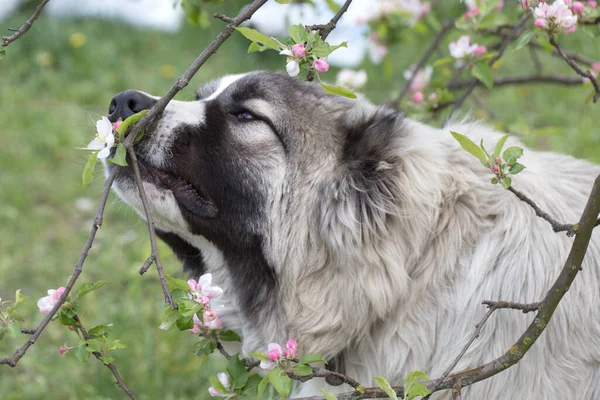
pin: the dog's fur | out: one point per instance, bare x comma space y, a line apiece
361, 233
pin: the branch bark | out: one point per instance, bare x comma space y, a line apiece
6, 40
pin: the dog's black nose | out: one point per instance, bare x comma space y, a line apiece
127, 103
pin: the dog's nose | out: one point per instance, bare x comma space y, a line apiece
127, 103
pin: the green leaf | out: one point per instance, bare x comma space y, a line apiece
19, 299
116, 345
100, 331
185, 323
484, 73
442, 61
130, 121
494, 181
323, 49
386, 387
260, 356
328, 396
206, 347
524, 40
107, 360
88, 170
251, 388
298, 33
81, 353
237, 372
302, 369
311, 358
333, 6
89, 287
262, 386
512, 154
14, 330
516, 168
120, 156
283, 1
411, 388
470, 147
171, 316
506, 182
93, 345
280, 381
174, 283
230, 336
256, 36
216, 383
500, 145
338, 90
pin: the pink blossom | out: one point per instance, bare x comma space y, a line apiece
203, 289
274, 352
116, 125
541, 23
224, 379
500, 5
46, 304
558, 16
209, 315
298, 50
592, 4
214, 324
274, 355
577, 7
63, 350
291, 348
596, 68
525, 4
321, 65
462, 47
213, 392
418, 97
495, 169
421, 79
480, 50
570, 30
497, 160
197, 325
289, 353
472, 12
291, 344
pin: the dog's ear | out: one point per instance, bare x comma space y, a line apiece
193, 263
367, 184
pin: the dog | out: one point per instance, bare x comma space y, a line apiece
367, 237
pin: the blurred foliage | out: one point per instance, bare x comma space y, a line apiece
58, 80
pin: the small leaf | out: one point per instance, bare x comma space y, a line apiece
516, 168
280, 381
524, 40
298, 33
260, 356
14, 330
89, 287
171, 316
494, 181
174, 283
484, 73
237, 372
206, 347
100, 331
442, 61
216, 383
328, 396
512, 154
185, 323
81, 353
302, 369
230, 336
338, 90
259, 37
506, 182
386, 387
251, 388
417, 390
120, 156
311, 358
130, 121
262, 386
410, 383
333, 6
92, 345
470, 147
116, 345
88, 170
107, 360
500, 145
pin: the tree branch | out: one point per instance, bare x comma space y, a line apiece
520, 80
6, 40
507, 39
576, 68
112, 367
525, 307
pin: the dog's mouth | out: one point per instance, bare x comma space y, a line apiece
191, 199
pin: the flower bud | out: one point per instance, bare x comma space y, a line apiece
273, 355
321, 65
577, 7
495, 169
289, 352
497, 160
213, 392
291, 344
116, 125
63, 350
592, 4
541, 23
480, 50
298, 50
418, 97
209, 315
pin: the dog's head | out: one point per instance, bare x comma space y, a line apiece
266, 182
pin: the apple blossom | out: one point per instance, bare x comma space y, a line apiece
421, 79
577, 7
418, 97
462, 48
292, 67
209, 315
116, 125
214, 324
224, 379
291, 344
104, 139
321, 65
495, 169
541, 23
352, 79
46, 304
274, 352
480, 50
63, 350
298, 50
197, 325
213, 392
592, 4
203, 289
557, 16
291, 348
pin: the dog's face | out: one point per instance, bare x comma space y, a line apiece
264, 168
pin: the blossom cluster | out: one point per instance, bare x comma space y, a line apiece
474, 9
202, 292
296, 54
560, 16
275, 354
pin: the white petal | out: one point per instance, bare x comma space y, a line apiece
267, 365
212, 292
105, 152
205, 281
110, 140
104, 126
273, 346
286, 53
224, 379
293, 68
95, 145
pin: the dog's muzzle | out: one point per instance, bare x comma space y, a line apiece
127, 103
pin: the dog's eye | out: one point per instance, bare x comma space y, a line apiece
245, 116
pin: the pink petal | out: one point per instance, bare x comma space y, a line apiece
205, 281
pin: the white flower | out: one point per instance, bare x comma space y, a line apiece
203, 291
558, 14
421, 80
351, 79
462, 47
104, 139
292, 66
46, 304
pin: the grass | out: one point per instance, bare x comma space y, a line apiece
56, 81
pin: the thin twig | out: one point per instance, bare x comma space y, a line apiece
575, 57
112, 367
6, 40
446, 26
325, 30
14, 359
222, 350
525, 307
325, 373
575, 67
507, 39
520, 80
